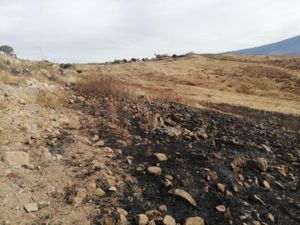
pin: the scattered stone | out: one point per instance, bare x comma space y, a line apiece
59, 157
271, 217
31, 207
169, 220
266, 184
152, 222
267, 148
239, 161
169, 177
99, 192
163, 208
141, 219
261, 164
283, 170
112, 189
22, 101
168, 183
122, 220
183, 194
153, 214
161, 157
256, 222
221, 187
221, 208
16, 159
95, 138
229, 193
202, 134
194, 221
99, 143
259, 199
122, 211
212, 175
155, 170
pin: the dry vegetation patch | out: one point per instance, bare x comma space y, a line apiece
104, 86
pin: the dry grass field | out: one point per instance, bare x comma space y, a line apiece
259, 82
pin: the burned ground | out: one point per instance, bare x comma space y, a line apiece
198, 163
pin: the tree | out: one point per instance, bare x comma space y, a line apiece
7, 50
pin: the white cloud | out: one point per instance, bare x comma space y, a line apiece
99, 30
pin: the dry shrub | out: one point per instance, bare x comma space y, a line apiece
104, 86
48, 99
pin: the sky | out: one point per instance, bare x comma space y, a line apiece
104, 30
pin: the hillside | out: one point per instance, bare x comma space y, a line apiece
198, 140
263, 83
287, 47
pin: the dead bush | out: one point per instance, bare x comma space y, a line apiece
104, 86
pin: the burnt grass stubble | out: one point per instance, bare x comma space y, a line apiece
188, 161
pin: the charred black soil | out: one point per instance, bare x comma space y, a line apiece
204, 147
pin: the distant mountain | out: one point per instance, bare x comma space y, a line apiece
289, 46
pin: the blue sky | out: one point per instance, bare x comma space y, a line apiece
101, 30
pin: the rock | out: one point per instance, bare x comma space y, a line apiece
59, 157
22, 101
229, 193
194, 221
112, 189
171, 131
163, 208
283, 170
141, 219
161, 157
212, 175
154, 170
267, 148
221, 187
95, 138
169, 220
271, 217
256, 222
31, 207
122, 211
183, 194
16, 159
202, 134
221, 208
239, 161
266, 184
99, 143
152, 222
261, 164
153, 214
168, 183
99, 192
122, 220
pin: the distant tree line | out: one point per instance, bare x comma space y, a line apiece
156, 58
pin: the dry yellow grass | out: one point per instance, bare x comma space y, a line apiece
267, 83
